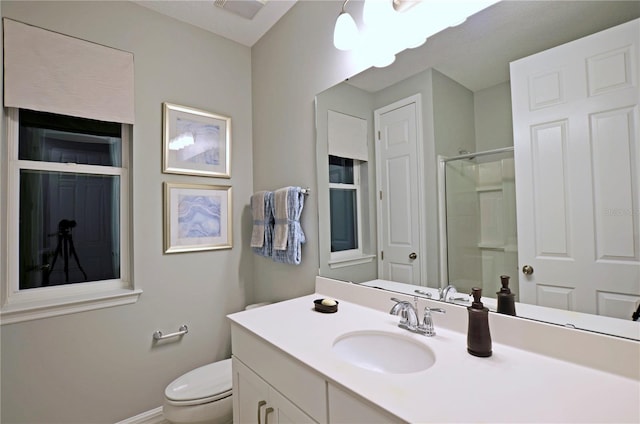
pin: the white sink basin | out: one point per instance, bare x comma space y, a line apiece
383, 352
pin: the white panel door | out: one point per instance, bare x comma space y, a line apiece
399, 192
575, 118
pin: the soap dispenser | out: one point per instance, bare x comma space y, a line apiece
506, 299
478, 336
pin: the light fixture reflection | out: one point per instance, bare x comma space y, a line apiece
388, 31
181, 141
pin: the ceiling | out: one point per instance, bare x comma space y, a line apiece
204, 14
477, 53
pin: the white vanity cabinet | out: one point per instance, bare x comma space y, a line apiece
255, 401
344, 407
284, 355
270, 386
262, 373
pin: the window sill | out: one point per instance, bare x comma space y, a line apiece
356, 260
38, 309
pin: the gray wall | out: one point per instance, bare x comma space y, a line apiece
101, 366
290, 65
493, 121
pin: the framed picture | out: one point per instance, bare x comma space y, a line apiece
195, 142
197, 217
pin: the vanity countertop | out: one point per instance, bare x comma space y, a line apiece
512, 385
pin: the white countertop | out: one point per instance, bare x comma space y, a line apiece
512, 385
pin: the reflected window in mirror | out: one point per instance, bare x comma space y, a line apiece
345, 207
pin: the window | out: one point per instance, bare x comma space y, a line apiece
345, 207
68, 215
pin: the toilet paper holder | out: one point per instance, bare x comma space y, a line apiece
181, 331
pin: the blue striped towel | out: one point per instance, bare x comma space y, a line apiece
262, 233
287, 234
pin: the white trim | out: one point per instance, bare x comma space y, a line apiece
354, 260
25, 305
153, 416
442, 221
422, 258
76, 168
12, 313
348, 255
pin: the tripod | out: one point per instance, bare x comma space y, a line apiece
65, 246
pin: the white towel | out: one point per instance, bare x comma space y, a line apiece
258, 212
281, 229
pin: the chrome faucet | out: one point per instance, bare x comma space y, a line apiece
409, 317
445, 292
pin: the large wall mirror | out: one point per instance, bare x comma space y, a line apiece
449, 211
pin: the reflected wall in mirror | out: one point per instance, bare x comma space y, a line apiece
460, 84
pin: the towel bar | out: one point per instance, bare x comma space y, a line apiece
181, 331
306, 191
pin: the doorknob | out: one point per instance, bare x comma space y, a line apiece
413, 255
527, 270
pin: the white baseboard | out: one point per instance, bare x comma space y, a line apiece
153, 416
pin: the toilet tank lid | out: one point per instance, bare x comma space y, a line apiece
203, 382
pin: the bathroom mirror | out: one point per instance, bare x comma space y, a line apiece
465, 105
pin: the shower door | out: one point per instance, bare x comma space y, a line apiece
480, 216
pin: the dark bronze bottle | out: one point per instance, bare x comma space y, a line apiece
506, 299
478, 336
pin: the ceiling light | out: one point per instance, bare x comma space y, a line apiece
345, 33
377, 12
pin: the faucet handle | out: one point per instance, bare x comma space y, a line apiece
427, 327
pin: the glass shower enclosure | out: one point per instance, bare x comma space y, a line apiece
478, 220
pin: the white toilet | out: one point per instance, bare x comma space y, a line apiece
203, 395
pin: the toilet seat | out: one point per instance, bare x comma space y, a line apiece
205, 384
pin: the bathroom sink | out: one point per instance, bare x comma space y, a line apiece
383, 352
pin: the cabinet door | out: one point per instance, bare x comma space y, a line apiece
250, 395
285, 411
255, 401
344, 407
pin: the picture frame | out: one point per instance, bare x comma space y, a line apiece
195, 142
197, 217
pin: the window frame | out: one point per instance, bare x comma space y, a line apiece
349, 255
35, 303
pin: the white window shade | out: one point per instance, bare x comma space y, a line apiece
51, 72
347, 136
